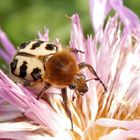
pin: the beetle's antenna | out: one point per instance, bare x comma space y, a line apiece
105, 89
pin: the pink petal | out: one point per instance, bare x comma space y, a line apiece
22, 99
8, 112
5, 56
24, 135
134, 124
109, 48
100, 8
98, 11
119, 134
17, 126
77, 38
8, 46
91, 52
128, 17
44, 36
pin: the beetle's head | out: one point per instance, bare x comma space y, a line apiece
79, 83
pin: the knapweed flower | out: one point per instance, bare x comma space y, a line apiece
99, 9
114, 52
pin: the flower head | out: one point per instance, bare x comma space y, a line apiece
114, 54
99, 9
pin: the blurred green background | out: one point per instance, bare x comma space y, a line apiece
21, 19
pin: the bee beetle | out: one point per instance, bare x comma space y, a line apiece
39, 61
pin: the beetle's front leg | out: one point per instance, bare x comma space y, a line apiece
91, 69
46, 86
32, 83
65, 103
75, 50
28, 83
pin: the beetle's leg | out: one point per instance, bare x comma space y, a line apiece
73, 97
28, 83
65, 100
43, 58
75, 50
46, 86
90, 68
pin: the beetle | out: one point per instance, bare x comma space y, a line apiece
40, 61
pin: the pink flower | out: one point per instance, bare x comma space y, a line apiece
99, 9
8, 52
114, 115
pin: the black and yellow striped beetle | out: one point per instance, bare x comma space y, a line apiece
40, 61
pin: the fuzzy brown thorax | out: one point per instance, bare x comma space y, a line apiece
61, 68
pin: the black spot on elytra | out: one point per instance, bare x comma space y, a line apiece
23, 69
23, 45
36, 44
36, 74
13, 65
50, 47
